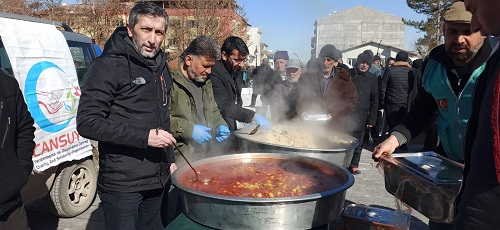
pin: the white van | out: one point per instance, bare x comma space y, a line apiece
49, 61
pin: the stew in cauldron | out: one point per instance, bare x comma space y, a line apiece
262, 178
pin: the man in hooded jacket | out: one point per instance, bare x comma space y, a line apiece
124, 105
365, 115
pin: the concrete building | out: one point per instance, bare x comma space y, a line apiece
385, 51
255, 46
355, 26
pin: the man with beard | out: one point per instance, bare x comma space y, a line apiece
328, 91
449, 79
195, 118
365, 115
479, 199
193, 110
124, 106
227, 85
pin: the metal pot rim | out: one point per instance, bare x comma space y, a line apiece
314, 196
355, 143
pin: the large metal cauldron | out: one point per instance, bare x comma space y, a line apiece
299, 212
337, 153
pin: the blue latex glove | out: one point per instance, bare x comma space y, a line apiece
201, 134
261, 120
222, 133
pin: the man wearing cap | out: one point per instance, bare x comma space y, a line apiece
377, 61
286, 92
479, 198
275, 77
374, 68
449, 78
328, 91
365, 115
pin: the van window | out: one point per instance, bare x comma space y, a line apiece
82, 56
5, 65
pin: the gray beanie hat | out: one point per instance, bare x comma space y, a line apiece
330, 51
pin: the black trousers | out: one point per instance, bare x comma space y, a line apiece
254, 99
395, 115
356, 156
14, 218
135, 210
479, 209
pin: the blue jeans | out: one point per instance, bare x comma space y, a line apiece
135, 210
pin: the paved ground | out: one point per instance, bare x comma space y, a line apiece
368, 189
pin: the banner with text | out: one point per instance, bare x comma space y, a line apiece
46, 74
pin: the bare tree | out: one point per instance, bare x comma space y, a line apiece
97, 19
16, 7
215, 18
100, 18
94, 18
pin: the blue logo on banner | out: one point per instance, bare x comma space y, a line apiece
51, 103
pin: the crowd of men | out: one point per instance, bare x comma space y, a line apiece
139, 110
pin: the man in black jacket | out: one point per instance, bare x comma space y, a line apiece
124, 106
480, 195
365, 115
16, 150
396, 89
259, 76
227, 85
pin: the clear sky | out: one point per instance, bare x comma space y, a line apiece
289, 24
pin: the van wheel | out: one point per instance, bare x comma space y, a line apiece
74, 189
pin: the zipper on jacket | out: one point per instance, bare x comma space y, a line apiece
163, 90
1, 109
6, 131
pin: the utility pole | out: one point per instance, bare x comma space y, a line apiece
298, 58
361, 32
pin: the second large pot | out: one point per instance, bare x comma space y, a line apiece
339, 153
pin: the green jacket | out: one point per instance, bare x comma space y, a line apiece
183, 111
454, 112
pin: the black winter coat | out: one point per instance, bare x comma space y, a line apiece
260, 74
16, 142
123, 98
479, 198
399, 84
367, 108
227, 93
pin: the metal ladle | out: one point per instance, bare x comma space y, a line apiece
254, 130
204, 181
